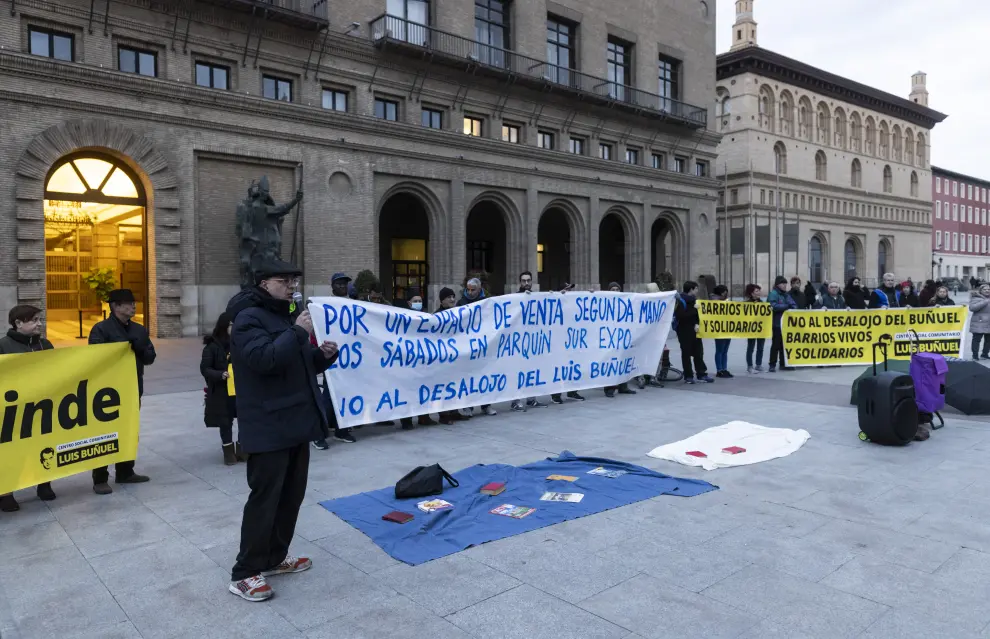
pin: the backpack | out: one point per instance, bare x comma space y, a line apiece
423, 481
680, 300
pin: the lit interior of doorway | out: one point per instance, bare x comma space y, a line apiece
409, 267
94, 226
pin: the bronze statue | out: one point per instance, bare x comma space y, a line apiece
259, 227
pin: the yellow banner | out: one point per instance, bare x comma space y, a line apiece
66, 411
835, 338
728, 320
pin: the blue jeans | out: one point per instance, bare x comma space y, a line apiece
758, 345
722, 354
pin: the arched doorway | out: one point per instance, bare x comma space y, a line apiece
486, 244
663, 250
611, 251
95, 241
553, 250
403, 245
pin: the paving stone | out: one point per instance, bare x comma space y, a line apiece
163, 563
882, 543
527, 613
796, 556
143, 527
801, 606
656, 610
447, 585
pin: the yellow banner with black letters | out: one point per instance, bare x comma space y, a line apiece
734, 320
839, 338
66, 411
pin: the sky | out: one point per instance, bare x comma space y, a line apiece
881, 44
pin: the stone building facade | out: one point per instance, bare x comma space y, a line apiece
960, 226
823, 177
430, 138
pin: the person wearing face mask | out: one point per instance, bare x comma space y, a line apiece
526, 286
979, 321
416, 304
854, 295
888, 295
448, 300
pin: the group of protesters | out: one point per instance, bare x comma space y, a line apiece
830, 296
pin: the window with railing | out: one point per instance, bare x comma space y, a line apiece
491, 32
668, 70
560, 51
619, 72
414, 24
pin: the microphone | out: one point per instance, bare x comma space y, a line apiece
297, 298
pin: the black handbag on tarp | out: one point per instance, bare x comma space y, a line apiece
423, 481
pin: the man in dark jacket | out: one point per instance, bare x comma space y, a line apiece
526, 286
780, 301
692, 348
280, 411
24, 336
833, 300
116, 329
888, 295
473, 292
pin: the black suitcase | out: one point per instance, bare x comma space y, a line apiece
888, 413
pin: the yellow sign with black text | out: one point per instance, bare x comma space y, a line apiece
734, 320
66, 411
838, 338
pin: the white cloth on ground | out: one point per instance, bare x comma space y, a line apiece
761, 444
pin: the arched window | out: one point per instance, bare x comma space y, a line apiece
871, 136
857, 174
914, 184
898, 154
786, 114
855, 133
824, 124
805, 122
921, 153
821, 166
815, 265
780, 158
882, 258
850, 259
888, 179
723, 107
840, 128
909, 147
884, 140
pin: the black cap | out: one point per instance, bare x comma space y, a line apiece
446, 292
121, 296
339, 276
275, 267
780, 280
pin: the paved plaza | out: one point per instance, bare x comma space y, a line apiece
841, 539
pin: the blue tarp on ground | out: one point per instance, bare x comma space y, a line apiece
469, 523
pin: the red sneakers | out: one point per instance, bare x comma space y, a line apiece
253, 588
289, 565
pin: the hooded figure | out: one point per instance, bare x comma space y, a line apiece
855, 297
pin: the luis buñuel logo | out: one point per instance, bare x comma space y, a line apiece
46, 458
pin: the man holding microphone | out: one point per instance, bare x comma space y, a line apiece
280, 411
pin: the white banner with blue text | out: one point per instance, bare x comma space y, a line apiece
396, 363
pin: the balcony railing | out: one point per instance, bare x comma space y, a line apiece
302, 13
455, 49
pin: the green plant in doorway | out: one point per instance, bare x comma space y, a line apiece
102, 280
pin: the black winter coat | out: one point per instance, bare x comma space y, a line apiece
14, 342
837, 303
279, 404
855, 299
113, 331
798, 296
212, 366
687, 316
